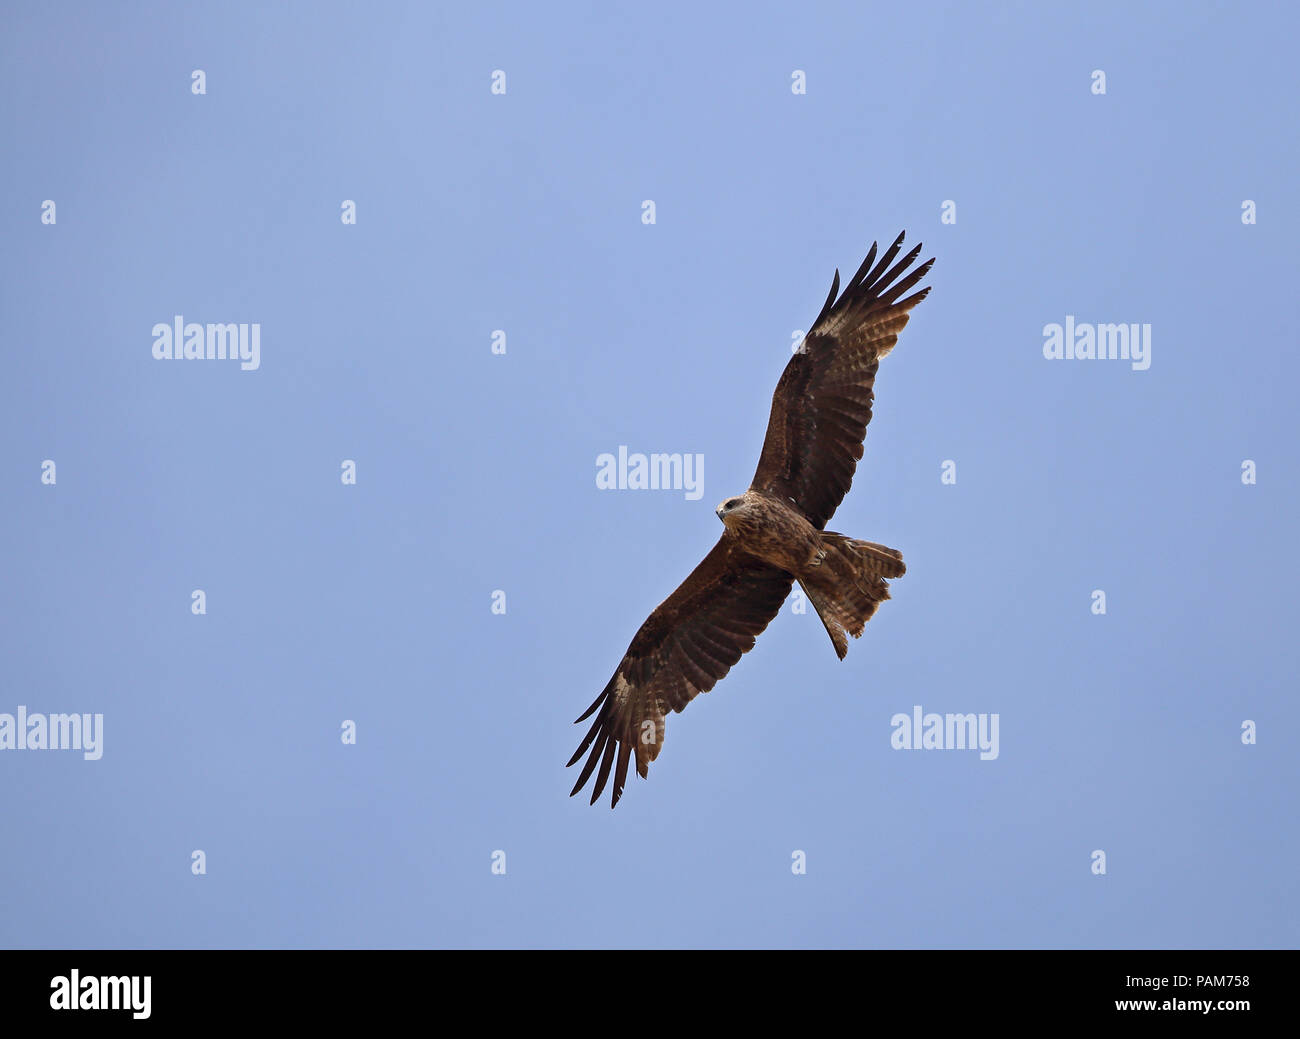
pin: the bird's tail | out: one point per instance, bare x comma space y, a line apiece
846, 583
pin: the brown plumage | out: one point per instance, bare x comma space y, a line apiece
774, 533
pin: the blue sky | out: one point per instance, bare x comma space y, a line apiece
522, 212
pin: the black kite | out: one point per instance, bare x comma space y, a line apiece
774, 533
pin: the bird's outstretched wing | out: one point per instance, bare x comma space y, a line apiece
686, 645
822, 404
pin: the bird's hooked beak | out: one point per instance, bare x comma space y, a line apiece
718, 512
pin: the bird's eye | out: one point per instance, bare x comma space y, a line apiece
733, 503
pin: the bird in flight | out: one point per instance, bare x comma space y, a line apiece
774, 534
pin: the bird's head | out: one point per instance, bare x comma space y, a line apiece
730, 507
